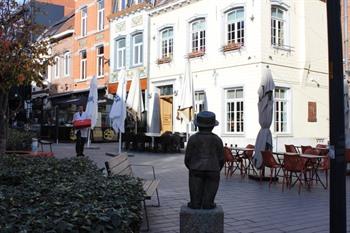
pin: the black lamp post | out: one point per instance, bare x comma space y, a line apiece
336, 120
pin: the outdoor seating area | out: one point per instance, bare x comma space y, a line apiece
302, 165
166, 142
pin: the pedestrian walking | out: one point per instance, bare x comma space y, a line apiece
81, 133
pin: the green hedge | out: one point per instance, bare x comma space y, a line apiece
19, 140
69, 195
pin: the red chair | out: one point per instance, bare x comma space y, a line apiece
324, 166
248, 158
347, 155
270, 162
232, 163
291, 148
293, 164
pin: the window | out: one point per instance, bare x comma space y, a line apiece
100, 15
166, 90
120, 54
234, 110
130, 2
199, 101
84, 21
100, 61
281, 110
66, 64
278, 26
167, 43
57, 67
235, 26
83, 63
123, 4
137, 50
198, 35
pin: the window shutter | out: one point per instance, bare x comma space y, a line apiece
312, 112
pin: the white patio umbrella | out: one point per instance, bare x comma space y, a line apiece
92, 106
155, 119
187, 95
134, 102
265, 108
118, 109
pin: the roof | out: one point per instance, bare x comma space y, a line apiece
64, 24
163, 2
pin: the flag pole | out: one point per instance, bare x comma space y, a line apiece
89, 140
120, 142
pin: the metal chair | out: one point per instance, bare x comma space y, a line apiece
232, 163
293, 165
270, 162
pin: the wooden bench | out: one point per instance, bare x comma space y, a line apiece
119, 165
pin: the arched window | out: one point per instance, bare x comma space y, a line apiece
167, 42
198, 31
235, 26
120, 53
66, 63
278, 26
137, 49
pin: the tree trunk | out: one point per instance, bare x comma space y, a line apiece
3, 120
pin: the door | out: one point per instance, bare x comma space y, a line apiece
166, 113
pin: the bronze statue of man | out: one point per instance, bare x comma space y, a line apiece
204, 158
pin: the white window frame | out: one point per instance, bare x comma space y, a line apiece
231, 35
200, 102
66, 63
166, 43
84, 17
83, 65
120, 63
57, 67
237, 102
137, 48
280, 39
287, 111
200, 36
100, 15
100, 61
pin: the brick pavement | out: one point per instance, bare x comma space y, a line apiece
248, 205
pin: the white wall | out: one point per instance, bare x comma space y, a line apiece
300, 68
126, 26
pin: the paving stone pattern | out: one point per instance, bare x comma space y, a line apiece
249, 206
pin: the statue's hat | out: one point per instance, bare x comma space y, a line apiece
206, 119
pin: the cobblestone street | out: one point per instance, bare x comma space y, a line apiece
248, 205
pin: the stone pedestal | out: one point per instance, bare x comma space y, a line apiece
201, 221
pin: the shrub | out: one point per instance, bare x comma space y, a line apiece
19, 140
69, 195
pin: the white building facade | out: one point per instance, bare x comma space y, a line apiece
129, 35
228, 45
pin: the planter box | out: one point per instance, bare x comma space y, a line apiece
196, 54
231, 46
164, 60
